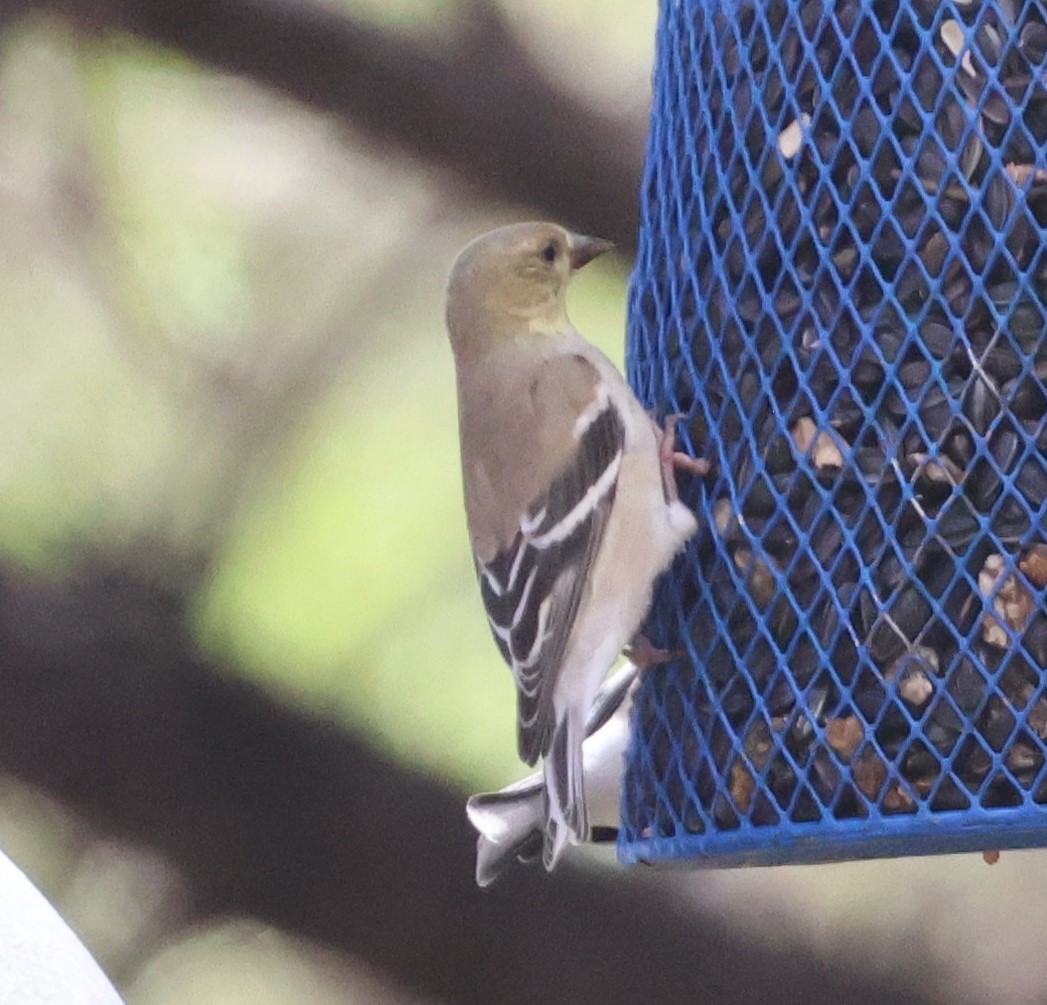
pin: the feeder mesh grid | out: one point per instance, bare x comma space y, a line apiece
841, 284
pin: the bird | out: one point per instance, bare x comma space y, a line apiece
570, 494
510, 823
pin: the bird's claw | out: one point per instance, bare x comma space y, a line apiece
673, 460
645, 655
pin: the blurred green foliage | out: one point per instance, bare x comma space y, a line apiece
196, 259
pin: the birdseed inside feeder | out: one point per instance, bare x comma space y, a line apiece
842, 283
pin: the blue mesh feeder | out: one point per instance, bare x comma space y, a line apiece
841, 284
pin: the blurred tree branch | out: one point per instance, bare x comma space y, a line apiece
270, 813
471, 101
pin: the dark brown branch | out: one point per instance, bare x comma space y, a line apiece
105, 703
470, 101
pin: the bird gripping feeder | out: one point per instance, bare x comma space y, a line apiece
842, 284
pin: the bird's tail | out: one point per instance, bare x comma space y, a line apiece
509, 824
566, 818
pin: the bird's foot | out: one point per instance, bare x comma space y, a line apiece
673, 460
645, 655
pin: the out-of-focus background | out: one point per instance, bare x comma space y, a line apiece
245, 680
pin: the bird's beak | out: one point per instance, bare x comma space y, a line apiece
584, 249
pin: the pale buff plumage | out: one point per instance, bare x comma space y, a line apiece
565, 500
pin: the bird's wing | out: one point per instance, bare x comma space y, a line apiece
533, 585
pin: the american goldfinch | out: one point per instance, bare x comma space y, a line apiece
569, 494
511, 822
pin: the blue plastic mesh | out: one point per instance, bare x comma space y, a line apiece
841, 284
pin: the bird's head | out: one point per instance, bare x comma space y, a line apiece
514, 279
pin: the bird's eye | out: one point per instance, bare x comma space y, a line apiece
550, 251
